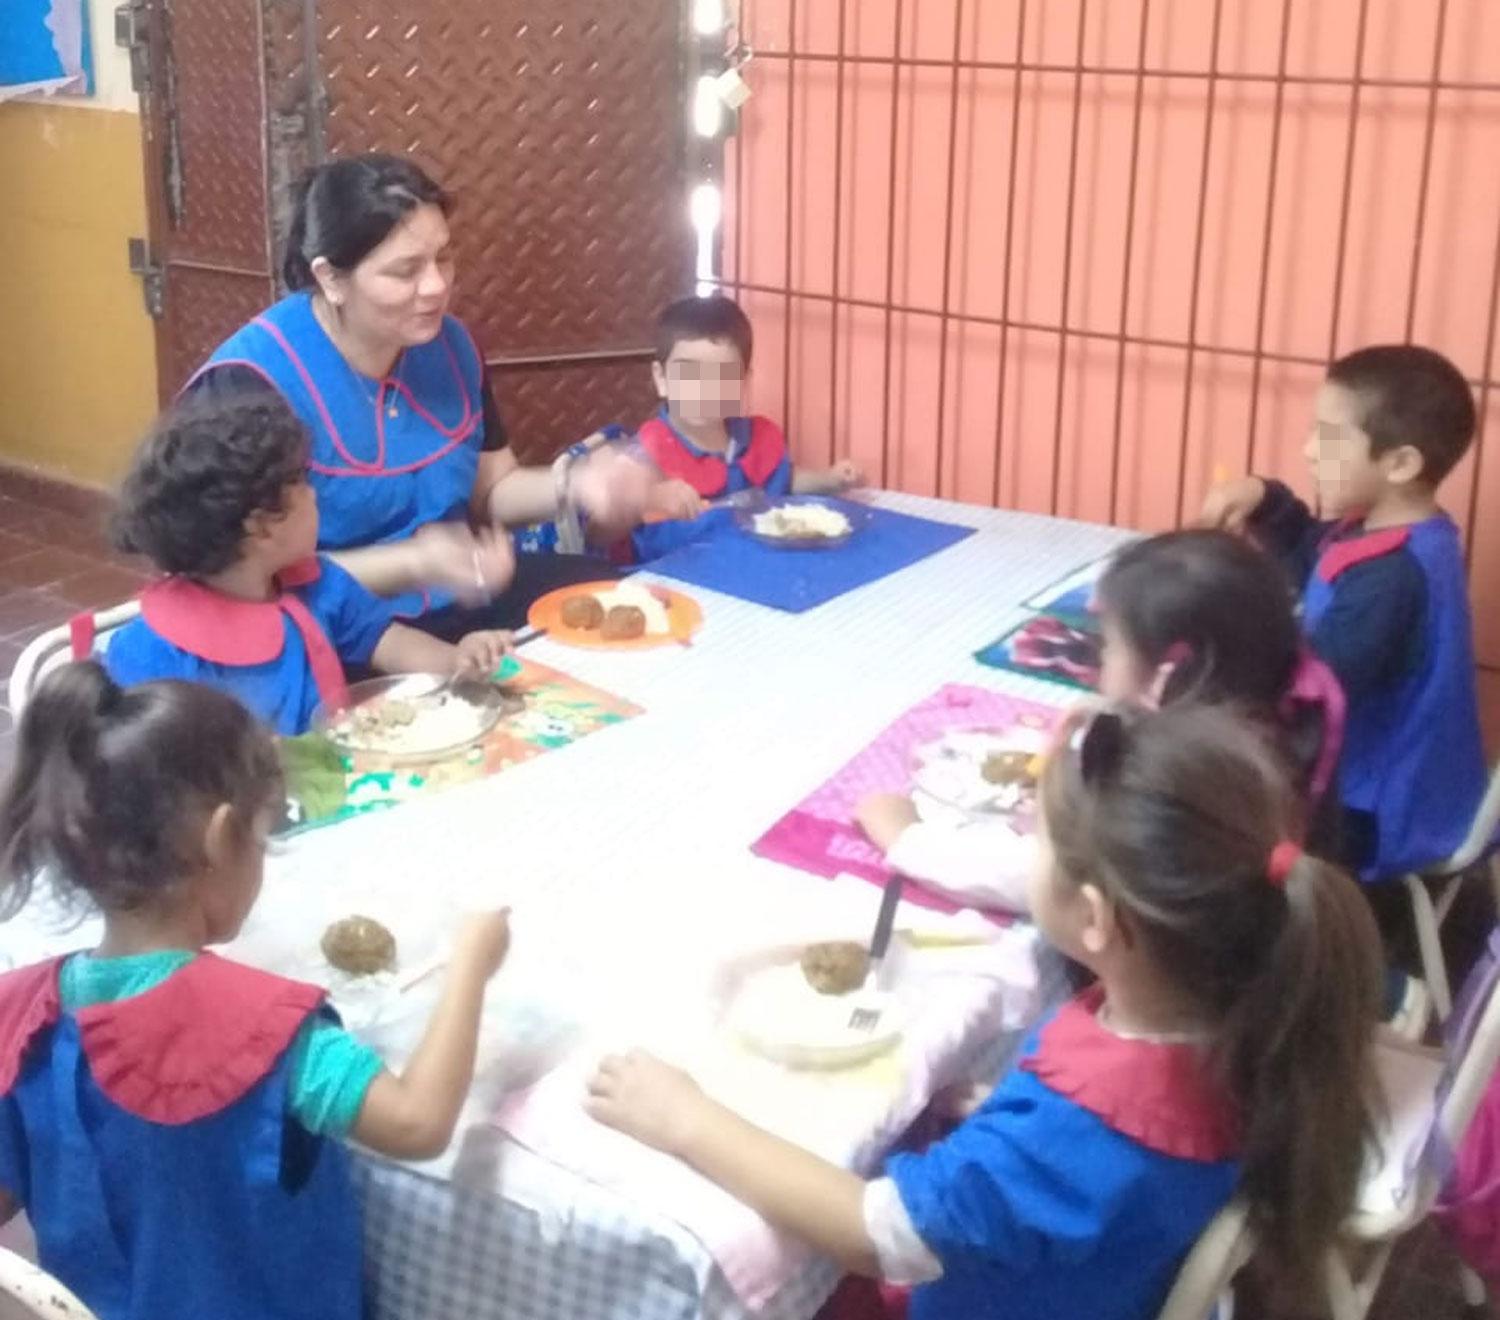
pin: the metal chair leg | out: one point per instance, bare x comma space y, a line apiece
1430, 947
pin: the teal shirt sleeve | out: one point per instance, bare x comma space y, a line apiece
330, 1074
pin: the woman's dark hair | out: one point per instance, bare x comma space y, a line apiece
717, 318
206, 466
345, 209
111, 784
1213, 602
1174, 816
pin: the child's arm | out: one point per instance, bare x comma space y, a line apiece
827, 481
406, 650
412, 1116
795, 1190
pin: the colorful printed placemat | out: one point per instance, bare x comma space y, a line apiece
325, 786
820, 834
795, 580
1051, 647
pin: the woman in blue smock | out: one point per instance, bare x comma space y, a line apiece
413, 473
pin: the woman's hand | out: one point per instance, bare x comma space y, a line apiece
641, 1096
475, 566
885, 817
480, 653
611, 488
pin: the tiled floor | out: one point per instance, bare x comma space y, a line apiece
55, 560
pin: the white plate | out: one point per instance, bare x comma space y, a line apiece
769, 1005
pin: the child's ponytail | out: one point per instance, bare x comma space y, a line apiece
109, 784
1183, 818
1294, 1048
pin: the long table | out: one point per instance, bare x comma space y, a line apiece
617, 853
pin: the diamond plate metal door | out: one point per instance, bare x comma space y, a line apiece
203, 125
559, 127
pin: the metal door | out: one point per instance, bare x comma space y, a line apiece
559, 125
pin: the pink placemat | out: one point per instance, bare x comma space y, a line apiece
819, 834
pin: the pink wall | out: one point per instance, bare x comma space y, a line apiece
1078, 257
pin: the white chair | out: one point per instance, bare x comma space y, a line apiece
1202, 1286
1428, 914
54, 648
28, 1292
1420, 1126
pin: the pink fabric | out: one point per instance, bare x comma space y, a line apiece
820, 835
1470, 1207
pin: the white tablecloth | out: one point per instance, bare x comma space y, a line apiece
618, 854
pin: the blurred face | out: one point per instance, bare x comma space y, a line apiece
397, 295
1349, 481
702, 381
1123, 674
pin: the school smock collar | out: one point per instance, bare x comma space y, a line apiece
1160, 1095
223, 629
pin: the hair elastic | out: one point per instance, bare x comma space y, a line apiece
1284, 856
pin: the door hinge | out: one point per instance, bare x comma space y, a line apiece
153, 277
132, 32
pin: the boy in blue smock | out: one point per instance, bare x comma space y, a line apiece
218, 500
1385, 598
703, 447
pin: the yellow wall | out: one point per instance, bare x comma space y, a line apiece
77, 354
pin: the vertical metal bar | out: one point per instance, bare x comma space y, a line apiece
958, 28
838, 222
890, 252
315, 97
1344, 205
1192, 336
1484, 399
1266, 230
791, 156
1135, 157
1421, 225
741, 210
1010, 232
1067, 275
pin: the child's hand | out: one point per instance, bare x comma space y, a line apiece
641, 1096
1230, 504
480, 653
844, 474
483, 941
476, 567
885, 817
675, 500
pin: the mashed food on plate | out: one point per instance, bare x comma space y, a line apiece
802, 522
410, 726
835, 968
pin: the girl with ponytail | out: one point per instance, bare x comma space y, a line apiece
165, 1113
1224, 1050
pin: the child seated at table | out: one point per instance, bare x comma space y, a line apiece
1189, 615
218, 499
1385, 599
165, 1113
1223, 1052
703, 448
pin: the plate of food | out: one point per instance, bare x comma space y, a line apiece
801, 522
626, 615
414, 717
982, 772
795, 1005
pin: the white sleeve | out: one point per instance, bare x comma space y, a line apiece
903, 1256
987, 864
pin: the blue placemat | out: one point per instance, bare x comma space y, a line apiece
735, 564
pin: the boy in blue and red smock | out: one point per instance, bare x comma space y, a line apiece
1385, 599
699, 442
218, 498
